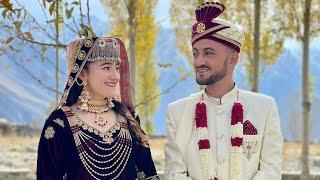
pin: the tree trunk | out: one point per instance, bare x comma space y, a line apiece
132, 46
57, 51
305, 174
256, 49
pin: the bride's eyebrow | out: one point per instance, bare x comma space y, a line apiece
105, 63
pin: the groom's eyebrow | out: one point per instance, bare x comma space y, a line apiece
209, 49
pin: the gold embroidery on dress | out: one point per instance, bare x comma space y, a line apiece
116, 153
107, 136
59, 121
49, 132
250, 148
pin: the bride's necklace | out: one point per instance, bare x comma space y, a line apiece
98, 108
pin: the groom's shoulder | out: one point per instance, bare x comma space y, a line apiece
256, 97
185, 100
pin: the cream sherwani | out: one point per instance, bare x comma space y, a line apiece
262, 157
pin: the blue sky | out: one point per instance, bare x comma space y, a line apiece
96, 9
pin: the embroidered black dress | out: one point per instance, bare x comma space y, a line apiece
70, 149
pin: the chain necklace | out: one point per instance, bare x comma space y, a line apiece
98, 108
106, 157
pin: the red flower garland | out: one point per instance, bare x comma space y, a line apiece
201, 115
201, 122
237, 114
204, 144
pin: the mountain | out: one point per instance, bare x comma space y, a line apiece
24, 101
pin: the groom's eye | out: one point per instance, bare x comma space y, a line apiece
208, 52
195, 54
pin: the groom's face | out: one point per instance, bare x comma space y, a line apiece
211, 61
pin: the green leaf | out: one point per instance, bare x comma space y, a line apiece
9, 39
4, 13
68, 13
43, 48
28, 35
51, 8
164, 65
75, 3
13, 49
17, 25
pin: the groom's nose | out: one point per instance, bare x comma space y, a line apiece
199, 61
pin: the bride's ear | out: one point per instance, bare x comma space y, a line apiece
83, 75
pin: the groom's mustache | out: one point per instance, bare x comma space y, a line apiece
203, 66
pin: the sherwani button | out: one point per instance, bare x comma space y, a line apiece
220, 136
220, 160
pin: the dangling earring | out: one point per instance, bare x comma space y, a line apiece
84, 97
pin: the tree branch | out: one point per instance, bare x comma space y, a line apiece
148, 99
80, 6
35, 21
44, 13
34, 77
22, 37
42, 56
88, 13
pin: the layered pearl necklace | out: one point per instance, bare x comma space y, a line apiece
105, 155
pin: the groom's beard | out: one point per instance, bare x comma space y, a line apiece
215, 77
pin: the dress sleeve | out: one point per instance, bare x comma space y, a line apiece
50, 150
145, 165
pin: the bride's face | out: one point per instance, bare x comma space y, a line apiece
103, 78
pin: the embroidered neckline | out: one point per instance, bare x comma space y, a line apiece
106, 136
106, 158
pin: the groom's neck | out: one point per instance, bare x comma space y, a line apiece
220, 88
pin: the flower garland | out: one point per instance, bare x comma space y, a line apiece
206, 155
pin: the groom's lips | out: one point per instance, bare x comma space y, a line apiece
202, 69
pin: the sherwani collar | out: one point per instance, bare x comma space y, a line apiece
230, 96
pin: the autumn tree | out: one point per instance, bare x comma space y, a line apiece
134, 22
58, 14
302, 22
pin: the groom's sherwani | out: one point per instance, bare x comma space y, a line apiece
262, 152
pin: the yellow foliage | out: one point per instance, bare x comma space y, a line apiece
293, 15
146, 32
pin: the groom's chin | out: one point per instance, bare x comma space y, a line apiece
201, 81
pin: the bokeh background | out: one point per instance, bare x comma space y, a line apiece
280, 58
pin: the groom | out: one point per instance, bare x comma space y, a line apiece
222, 132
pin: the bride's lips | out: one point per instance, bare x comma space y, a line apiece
110, 84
